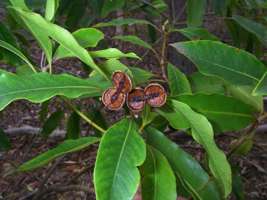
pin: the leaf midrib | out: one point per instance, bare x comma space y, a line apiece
47, 88
224, 113
229, 69
120, 155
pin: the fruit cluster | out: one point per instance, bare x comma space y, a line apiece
114, 98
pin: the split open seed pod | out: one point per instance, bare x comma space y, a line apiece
155, 95
122, 81
112, 99
135, 100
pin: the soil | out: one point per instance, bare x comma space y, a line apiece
71, 176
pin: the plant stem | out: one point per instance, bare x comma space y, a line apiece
83, 116
163, 51
248, 133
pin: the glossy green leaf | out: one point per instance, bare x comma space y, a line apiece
177, 80
261, 87
112, 53
196, 33
158, 180
134, 40
121, 150
194, 178
52, 123
140, 75
147, 116
202, 133
86, 37
73, 126
240, 67
224, 112
40, 87
109, 6
51, 8
59, 34
4, 141
243, 94
34, 24
257, 29
68, 146
122, 22
19, 3
17, 52
195, 12
201, 83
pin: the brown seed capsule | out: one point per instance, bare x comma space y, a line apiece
155, 95
122, 82
135, 100
112, 99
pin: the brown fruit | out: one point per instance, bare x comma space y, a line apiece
135, 100
122, 82
155, 95
112, 99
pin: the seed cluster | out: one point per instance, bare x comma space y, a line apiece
114, 98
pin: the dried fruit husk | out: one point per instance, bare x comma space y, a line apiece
135, 100
155, 95
113, 103
122, 82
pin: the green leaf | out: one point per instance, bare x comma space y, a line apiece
110, 6
202, 133
257, 29
229, 63
43, 111
17, 52
195, 12
51, 8
158, 180
40, 87
140, 75
178, 82
68, 146
134, 40
238, 186
19, 3
201, 83
122, 22
243, 94
147, 116
194, 178
73, 126
59, 34
116, 175
112, 53
7, 35
114, 64
86, 37
4, 141
33, 24
261, 87
224, 112
196, 33
52, 123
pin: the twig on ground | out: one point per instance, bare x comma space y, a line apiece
48, 175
